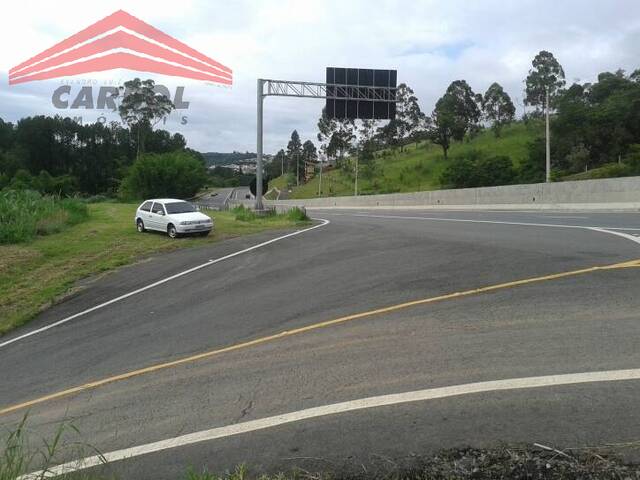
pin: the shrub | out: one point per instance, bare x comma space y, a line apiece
532, 168
496, 170
26, 213
477, 170
632, 158
459, 174
244, 214
297, 215
175, 174
64, 185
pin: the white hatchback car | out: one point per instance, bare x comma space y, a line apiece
172, 216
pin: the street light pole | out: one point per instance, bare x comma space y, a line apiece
356, 183
548, 139
260, 98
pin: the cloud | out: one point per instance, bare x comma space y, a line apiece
431, 43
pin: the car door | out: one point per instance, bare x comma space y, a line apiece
144, 213
158, 217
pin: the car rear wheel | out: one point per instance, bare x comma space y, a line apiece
140, 226
171, 231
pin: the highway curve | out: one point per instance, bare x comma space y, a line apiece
272, 356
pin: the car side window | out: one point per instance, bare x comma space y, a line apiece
158, 208
146, 206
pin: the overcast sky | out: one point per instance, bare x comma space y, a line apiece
430, 43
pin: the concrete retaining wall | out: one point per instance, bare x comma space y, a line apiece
622, 193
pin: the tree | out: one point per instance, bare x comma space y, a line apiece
421, 130
456, 114
335, 135
294, 156
7, 134
498, 107
341, 138
532, 167
309, 152
174, 174
408, 116
277, 165
142, 108
578, 158
443, 123
547, 73
366, 148
390, 133
464, 105
326, 127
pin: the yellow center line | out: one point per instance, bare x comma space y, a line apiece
315, 326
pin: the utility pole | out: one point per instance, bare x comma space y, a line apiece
320, 184
282, 168
548, 139
259, 205
356, 184
297, 170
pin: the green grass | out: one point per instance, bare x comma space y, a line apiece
36, 274
25, 214
417, 167
609, 170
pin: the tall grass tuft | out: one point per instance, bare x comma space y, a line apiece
244, 214
25, 214
18, 459
297, 215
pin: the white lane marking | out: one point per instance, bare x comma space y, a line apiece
560, 216
337, 408
496, 222
160, 282
628, 236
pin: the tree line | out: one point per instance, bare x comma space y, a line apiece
592, 124
58, 155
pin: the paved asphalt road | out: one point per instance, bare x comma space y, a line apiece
361, 261
218, 199
222, 195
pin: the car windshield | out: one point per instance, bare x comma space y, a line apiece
179, 207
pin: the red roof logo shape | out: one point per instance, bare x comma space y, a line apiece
121, 41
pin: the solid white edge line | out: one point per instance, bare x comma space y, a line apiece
160, 282
494, 222
609, 230
619, 234
337, 408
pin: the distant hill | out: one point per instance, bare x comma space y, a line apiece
221, 158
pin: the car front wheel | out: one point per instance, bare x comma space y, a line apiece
172, 232
140, 226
